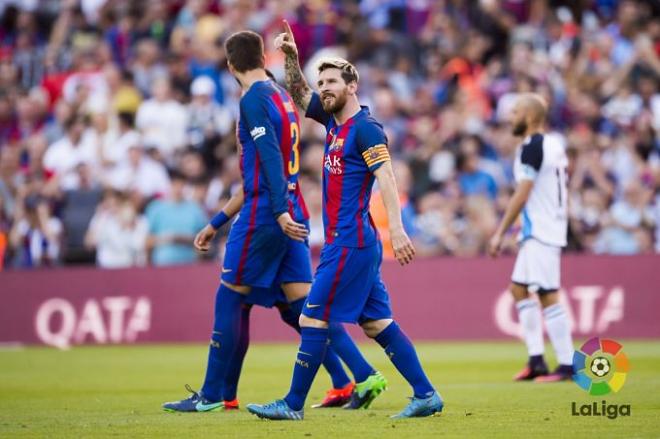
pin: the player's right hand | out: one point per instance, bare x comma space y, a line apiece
291, 228
285, 41
404, 251
204, 237
495, 245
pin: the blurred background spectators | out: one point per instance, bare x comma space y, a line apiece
117, 117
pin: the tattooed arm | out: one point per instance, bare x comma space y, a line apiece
296, 85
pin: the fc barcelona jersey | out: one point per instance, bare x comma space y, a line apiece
353, 151
269, 136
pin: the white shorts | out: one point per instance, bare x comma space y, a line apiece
537, 266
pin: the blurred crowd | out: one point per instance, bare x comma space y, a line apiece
117, 117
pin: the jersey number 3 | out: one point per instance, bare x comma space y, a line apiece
294, 159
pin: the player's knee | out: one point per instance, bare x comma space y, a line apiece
519, 292
372, 328
548, 298
308, 322
295, 291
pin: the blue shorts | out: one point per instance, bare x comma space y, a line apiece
266, 297
347, 286
263, 257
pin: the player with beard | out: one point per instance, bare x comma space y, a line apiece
267, 258
541, 196
347, 286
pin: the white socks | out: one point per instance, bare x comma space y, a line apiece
559, 331
529, 315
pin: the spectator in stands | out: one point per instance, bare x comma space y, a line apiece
147, 67
441, 75
139, 175
173, 223
162, 121
208, 122
77, 208
36, 234
116, 143
471, 179
118, 233
626, 227
78, 145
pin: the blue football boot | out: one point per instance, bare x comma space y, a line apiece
421, 407
276, 410
196, 403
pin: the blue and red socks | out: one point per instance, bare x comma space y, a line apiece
402, 354
311, 352
224, 339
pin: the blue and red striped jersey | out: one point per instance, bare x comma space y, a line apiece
353, 151
268, 136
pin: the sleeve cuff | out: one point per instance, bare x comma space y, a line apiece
528, 173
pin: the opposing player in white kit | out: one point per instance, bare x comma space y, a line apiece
541, 197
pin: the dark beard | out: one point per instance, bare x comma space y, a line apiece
519, 129
335, 107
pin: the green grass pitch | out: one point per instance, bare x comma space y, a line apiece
116, 391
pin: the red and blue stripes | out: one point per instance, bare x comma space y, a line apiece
334, 182
251, 222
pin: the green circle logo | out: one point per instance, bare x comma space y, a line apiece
600, 366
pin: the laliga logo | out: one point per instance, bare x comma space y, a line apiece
600, 366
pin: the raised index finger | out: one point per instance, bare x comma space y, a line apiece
287, 28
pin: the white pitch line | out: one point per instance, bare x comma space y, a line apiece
11, 346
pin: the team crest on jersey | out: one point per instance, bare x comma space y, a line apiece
336, 145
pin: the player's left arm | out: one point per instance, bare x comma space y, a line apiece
531, 159
204, 237
372, 143
254, 112
404, 251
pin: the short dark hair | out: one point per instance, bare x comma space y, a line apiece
245, 51
175, 174
74, 119
127, 118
